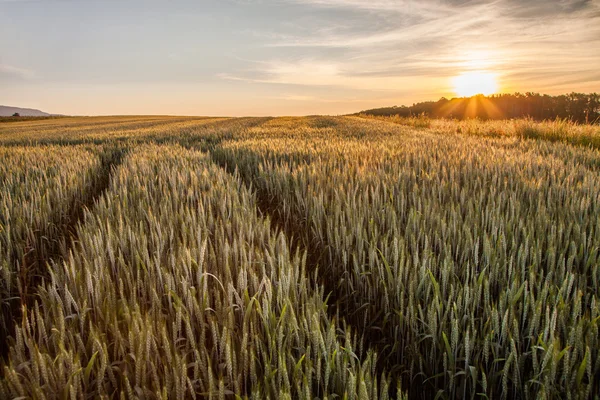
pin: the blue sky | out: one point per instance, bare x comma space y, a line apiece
285, 57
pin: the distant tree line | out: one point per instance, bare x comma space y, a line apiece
578, 107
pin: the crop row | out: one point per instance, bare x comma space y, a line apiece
103, 130
471, 263
177, 288
559, 130
40, 187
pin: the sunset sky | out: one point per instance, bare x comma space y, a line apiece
287, 57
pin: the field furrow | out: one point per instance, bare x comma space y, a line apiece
299, 257
64, 131
177, 288
43, 193
471, 263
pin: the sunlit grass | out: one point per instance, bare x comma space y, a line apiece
562, 130
457, 259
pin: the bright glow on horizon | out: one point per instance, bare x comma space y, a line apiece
478, 82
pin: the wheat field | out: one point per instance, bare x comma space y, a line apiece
299, 257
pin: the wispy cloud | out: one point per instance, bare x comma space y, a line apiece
317, 74
12, 72
393, 6
499, 20
438, 39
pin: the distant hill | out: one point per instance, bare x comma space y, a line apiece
6, 111
578, 107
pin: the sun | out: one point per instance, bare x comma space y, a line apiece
476, 82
